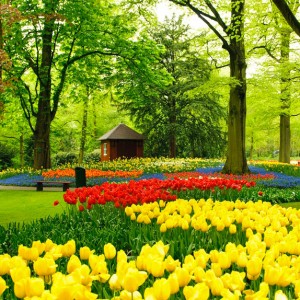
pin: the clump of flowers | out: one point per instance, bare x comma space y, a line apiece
264, 266
91, 173
145, 191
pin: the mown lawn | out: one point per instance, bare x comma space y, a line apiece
25, 206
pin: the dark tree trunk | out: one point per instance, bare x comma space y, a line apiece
285, 139
236, 161
22, 150
285, 129
44, 118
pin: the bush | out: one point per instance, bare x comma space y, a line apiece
63, 158
7, 153
93, 157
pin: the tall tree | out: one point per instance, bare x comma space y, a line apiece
232, 38
276, 39
183, 118
288, 15
52, 37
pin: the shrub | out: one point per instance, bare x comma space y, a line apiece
63, 158
7, 153
93, 157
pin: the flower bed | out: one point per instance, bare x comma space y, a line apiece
140, 238
200, 249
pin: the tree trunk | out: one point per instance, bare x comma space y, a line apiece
43, 120
84, 126
22, 150
285, 97
236, 161
285, 139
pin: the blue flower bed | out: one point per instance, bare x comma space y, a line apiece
280, 180
21, 180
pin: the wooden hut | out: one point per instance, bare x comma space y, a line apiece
121, 142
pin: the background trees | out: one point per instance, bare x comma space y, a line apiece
50, 39
70, 68
183, 118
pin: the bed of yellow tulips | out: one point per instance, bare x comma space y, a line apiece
250, 251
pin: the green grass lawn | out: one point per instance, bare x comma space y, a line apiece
25, 206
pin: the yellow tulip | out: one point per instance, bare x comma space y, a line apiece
214, 256
73, 263
254, 266
29, 287
30, 254
224, 260
3, 286
149, 294
44, 266
216, 286
19, 273
121, 256
234, 281
49, 245
163, 228
216, 269
128, 211
19, 288
39, 245
232, 251
173, 283
261, 294
297, 288
114, 283
68, 248
84, 276
171, 264
184, 224
133, 279
126, 295
232, 229
4, 264
85, 252
183, 276
157, 268
201, 258
228, 295
34, 287
110, 251
199, 291
272, 274
162, 289
242, 260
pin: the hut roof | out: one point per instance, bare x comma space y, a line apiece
122, 132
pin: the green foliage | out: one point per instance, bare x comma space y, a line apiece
64, 158
7, 153
180, 118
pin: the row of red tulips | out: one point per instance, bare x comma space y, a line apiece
146, 191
